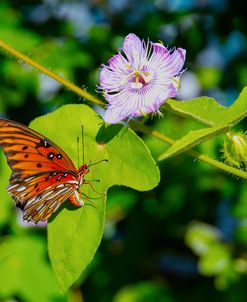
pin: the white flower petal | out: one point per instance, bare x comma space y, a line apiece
134, 50
140, 78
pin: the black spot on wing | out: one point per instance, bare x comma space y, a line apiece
50, 155
59, 156
44, 143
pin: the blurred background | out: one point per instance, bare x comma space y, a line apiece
187, 239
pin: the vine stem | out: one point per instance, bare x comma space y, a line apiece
134, 124
226, 168
49, 73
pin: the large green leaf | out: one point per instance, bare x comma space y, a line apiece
209, 112
75, 234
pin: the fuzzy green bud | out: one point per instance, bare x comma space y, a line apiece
235, 149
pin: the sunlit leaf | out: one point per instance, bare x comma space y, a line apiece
75, 234
203, 109
190, 140
207, 111
210, 112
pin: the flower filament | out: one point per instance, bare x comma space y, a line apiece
137, 78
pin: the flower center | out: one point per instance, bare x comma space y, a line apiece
138, 79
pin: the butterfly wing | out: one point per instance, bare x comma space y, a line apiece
29, 152
41, 195
43, 176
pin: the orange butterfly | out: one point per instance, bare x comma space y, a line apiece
43, 176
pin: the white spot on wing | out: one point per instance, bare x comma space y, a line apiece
59, 186
29, 178
73, 182
53, 204
11, 187
20, 189
30, 201
58, 193
57, 206
39, 208
47, 194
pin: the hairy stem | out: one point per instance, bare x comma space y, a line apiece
219, 165
82, 92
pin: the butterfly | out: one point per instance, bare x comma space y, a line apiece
43, 176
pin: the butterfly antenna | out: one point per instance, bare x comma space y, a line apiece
82, 142
78, 160
96, 163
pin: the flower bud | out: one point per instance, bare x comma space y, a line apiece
235, 149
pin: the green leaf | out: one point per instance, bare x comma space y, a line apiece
203, 109
209, 112
236, 112
190, 140
6, 202
25, 272
74, 234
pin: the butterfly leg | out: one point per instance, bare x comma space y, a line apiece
87, 200
91, 186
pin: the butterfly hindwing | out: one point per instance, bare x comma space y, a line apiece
41, 195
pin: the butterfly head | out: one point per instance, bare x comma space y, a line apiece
83, 170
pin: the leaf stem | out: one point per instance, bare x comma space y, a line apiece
134, 125
220, 165
82, 92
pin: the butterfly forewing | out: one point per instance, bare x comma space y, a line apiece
29, 152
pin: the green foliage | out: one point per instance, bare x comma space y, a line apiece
203, 109
12, 32
215, 256
142, 292
209, 112
190, 140
74, 235
5, 198
209, 77
23, 266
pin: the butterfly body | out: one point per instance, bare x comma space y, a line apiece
43, 176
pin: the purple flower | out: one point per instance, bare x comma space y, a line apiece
140, 78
